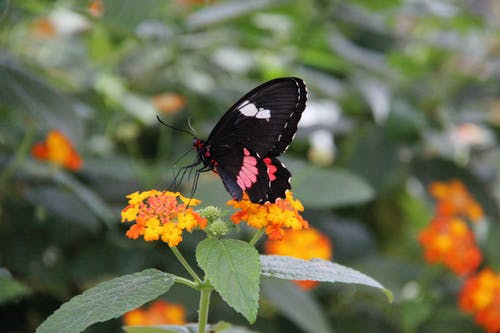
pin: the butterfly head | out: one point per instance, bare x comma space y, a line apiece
204, 154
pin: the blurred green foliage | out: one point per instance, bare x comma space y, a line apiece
405, 92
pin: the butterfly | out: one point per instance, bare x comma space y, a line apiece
244, 145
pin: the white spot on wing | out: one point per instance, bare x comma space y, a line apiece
249, 109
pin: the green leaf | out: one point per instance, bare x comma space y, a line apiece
221, 12
108, 300
22, 90
289, 268
189, 328
10, 289
297, 305
233, 268
321, 188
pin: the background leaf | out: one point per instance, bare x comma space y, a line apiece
233, 268
297, 305
290, 268
10, 289
108, 300
320, 188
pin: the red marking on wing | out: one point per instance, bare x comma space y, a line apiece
248, 172
271, 169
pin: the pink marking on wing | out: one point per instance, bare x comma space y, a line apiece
240, 182
248, 172
271, 169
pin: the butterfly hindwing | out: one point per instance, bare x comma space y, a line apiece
279, 179
264, 120
242, 170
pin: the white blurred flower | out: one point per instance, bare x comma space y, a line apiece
68, 23
468, 135
323, 112
322, 150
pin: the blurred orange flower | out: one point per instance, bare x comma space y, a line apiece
96, 8
57, 149
275, 217
450, 241
453, 198
304, 244
480, 296
43, 28
160, 215
169, 103
159, 313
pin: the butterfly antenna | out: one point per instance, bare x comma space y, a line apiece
175, 128
191, 126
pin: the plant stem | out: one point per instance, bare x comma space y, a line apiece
186, 265
206, 290
257, 236
187, 282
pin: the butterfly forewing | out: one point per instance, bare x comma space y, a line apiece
264, 120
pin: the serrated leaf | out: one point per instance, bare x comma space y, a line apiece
290, 268
107, 300
297, 305
233, 268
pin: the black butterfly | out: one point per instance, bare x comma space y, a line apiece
244, 144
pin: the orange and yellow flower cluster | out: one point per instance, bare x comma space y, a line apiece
448, 238
453, 199
58, 150
450, 241
304, 244
275, 217
161, 215
158, 313
480, 297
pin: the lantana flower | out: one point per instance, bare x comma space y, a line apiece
451, 241
161, 215
480, 297
96, 8
158, 313
57, 149
453, 199
274, 217
304, 244
169, 103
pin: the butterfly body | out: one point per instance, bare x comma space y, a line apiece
244, 145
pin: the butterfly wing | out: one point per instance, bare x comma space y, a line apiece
242, 170
279, 179
264, 120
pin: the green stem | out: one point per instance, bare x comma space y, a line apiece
187, 282
186, 265
257, 236
206, 290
